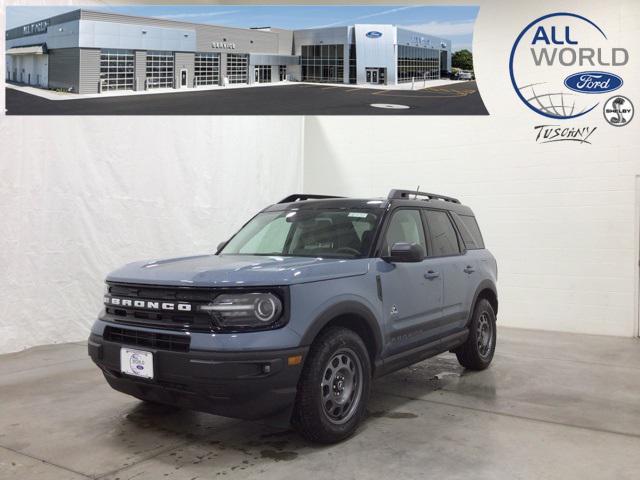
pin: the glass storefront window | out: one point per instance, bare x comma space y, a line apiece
323, 63
418, 63
352, 64
263, 73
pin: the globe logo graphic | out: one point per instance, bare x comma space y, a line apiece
560, 105
555, 48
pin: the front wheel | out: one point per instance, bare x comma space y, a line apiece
477, 352
333, 390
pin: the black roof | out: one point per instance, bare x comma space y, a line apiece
395, 197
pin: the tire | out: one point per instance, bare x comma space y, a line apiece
333, 389
477, 352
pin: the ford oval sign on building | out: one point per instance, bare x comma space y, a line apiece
374, 34
593, 82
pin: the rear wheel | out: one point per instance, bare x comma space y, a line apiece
477, 352
334, 387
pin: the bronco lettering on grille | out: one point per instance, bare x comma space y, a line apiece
147, 304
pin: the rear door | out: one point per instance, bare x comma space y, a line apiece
411, 292
447, 249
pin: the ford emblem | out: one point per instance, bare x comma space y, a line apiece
593, 82
374, 34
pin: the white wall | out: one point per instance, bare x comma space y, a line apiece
560, 222
560, 218
82, 196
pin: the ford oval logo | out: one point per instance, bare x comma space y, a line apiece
593, 82
374, 34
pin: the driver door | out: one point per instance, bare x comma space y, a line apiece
411, 292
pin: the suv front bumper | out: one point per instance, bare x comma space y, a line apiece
247, 385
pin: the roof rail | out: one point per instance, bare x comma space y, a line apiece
406, 194
297, 197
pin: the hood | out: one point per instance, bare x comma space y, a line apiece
237, 270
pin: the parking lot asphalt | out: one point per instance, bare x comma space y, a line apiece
296, 99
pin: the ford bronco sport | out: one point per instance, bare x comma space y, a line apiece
296, 314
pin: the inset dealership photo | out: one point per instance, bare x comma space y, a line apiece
212, 60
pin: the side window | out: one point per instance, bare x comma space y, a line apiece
405, 226
444, 240
468, 227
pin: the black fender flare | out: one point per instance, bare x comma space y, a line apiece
485, 284
346, 307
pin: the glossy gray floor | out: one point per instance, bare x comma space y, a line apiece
551, 406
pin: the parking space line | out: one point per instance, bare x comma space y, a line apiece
425, 93
419, 95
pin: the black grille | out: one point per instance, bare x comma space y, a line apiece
160, 341
195, 320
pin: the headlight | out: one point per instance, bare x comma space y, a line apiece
245, 310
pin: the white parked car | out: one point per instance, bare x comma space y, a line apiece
464, 75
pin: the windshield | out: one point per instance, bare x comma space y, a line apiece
306, 233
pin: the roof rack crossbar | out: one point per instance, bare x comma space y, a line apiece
406, 195
297, 197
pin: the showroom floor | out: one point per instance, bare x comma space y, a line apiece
551, 406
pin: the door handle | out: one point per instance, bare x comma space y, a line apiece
431, 274
469, 269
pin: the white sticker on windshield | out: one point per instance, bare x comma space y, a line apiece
358, 214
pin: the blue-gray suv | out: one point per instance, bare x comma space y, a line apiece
296, 313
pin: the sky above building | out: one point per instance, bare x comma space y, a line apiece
451, 22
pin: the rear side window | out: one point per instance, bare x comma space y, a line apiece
444, 240
470, 231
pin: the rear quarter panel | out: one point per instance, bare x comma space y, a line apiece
486, 274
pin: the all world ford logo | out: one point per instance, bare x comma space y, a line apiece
593, 82
374, 34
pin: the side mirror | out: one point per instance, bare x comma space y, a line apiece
403, 252
221, 245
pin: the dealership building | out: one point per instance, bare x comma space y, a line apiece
87, 52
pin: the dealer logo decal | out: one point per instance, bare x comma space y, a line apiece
559, 64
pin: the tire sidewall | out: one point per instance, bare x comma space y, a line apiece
484, 306
334, 340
